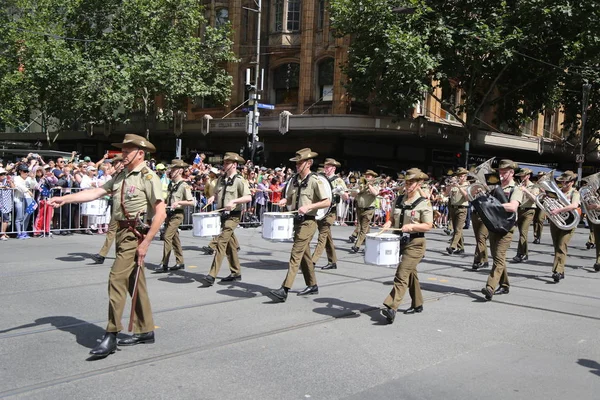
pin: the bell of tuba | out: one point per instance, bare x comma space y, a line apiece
553, 198
480, 187
589, 197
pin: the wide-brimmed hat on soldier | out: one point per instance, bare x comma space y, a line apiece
118, 157
235, 157
304, 154
461, 171
177, 163
371, 173
524, 172
331, 161
567, 176
506, 164
415, 174
137, 141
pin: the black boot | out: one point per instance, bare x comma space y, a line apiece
309, 290
330, 266
98, 259
107, 346
279, 294
138, 338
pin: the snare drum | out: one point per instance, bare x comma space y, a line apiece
206, 224
278, 226
94, 207
382, 249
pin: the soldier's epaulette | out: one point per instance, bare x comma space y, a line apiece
147, 173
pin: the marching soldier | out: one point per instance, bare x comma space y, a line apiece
480, 259
560, 237
306, 195
231, 191
458, 210
117, 164
365, 203
500, 242
179, 195
538, 218
526, 214
414, 215
135, 191
325, 241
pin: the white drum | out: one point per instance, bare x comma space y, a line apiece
206, 224
382, 249
95, 207
278, 226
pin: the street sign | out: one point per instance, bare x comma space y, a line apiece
580, 158
266, 106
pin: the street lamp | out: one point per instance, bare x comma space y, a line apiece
586, 94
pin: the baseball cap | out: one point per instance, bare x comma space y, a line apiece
3, 171
87, 159
160, 166
23, 167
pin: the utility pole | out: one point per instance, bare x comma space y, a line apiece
580, 159
252, 126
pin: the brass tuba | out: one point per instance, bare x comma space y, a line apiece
553, 198
589, 196
480, 187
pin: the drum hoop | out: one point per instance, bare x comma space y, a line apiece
382, 238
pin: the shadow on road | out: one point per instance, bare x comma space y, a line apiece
75, 257
594, 366
240, 289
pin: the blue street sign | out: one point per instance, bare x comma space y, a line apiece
266, 106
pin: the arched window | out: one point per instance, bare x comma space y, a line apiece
286, 81
325, 79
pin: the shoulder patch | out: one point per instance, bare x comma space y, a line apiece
145, 170
149, 177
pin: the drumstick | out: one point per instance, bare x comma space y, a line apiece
204, 208
387, 229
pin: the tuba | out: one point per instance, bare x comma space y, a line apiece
553, 198
480, 187
589, 196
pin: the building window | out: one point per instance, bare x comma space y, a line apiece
321, 14
222, 17
549, 124
286, 81
279, 15
293, 15
325, 79
244, 37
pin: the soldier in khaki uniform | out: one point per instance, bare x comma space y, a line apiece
135, 190
179, 195
306, 195
561, 238
365, 204
525, 214
538, 218
458, 206
499, 243
117, 164
414, 215
231, 191
325, 241
480, 258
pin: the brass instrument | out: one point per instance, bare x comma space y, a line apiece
451, 180
480, 186
552, 199
589, 197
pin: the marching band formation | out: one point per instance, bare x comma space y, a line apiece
500, 205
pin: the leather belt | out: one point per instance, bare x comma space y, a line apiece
528, 208
127, 223
417, 235
233, 214
460, 206
309, 217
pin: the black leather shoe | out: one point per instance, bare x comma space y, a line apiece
208, 280
98, 259
208, 251
589, 245
488, 293
162, 268
352, 238
232, 277
450, 250
485, 265
461, 251
596, 267
502, 290
536, 241
557, 277
476, 266
354, 250
389, 314
330, 266
448, 232
138, 338
279, 294
107, 346
414, 310
309, 290
177, 266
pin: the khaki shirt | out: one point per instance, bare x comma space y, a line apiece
365, 199
338, 183
312, 193
456, 196
517, 193
423, 212
229, 189
209, 188
528, 202
573, 196
180, 191
142, 190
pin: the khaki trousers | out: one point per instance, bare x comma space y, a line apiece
121, 280
226, 245
458, 215
325, 241
560, 240
524, 219
172, 242
499, 244
481, 237
406, 275
596, 231
538, 223
364, 224
110, 237
300, 256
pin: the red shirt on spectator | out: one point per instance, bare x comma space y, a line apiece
275, 193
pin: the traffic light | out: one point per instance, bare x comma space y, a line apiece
258, 153
460, 162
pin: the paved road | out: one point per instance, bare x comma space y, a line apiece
541, 341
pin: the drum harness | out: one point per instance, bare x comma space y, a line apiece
172, 190
300, 218
406, 237
225, 215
